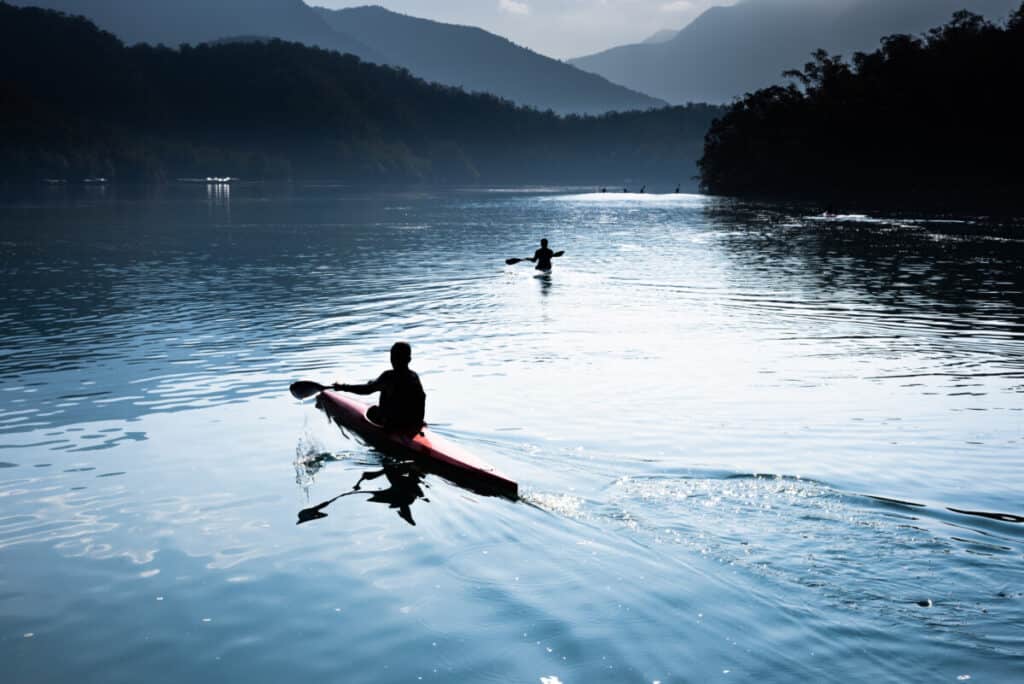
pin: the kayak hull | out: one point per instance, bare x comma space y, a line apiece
430, 450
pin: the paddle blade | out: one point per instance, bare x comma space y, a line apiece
308, 514
559, 253
304, 389
512, 262
317, 512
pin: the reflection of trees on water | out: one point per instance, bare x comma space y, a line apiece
942, 273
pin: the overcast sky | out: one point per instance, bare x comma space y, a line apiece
557, 28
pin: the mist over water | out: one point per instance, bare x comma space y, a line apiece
752, 442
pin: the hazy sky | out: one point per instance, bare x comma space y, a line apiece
557, 28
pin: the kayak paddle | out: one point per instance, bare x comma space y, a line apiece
512, 262
304, 389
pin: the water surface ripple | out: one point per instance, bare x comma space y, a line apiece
753, 443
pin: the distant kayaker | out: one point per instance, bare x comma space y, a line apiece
542, 257
402, 399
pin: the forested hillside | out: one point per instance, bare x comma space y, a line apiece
935, 117
76, 102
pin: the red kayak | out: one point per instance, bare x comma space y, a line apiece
428, 449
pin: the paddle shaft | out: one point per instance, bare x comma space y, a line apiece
513, 261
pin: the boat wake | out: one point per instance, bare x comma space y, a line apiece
950, 568
564, 505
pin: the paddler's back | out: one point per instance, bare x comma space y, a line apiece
402, 399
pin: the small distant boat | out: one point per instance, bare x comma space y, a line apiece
95, 181
210, 180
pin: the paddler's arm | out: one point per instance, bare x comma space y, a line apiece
368, 388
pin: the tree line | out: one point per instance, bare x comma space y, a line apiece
75, 102
932, 118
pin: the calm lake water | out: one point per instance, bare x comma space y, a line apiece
749, 440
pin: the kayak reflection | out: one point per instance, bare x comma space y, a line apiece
404, 479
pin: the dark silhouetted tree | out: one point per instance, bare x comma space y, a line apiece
933, 117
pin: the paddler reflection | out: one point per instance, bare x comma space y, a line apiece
404, 480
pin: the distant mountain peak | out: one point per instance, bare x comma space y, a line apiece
729, 50
662, 36
205, 21
477, 60
453, 55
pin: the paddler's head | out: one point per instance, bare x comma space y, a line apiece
544, 242
401, 355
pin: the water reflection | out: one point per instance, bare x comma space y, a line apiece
948, 292
545, 281
965, 271
405, 486
693, 343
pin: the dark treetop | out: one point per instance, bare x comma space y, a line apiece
925, 119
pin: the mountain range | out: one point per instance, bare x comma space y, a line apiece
459, 56
662, 36
728, 51
476, 60
75, 103
175, 22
